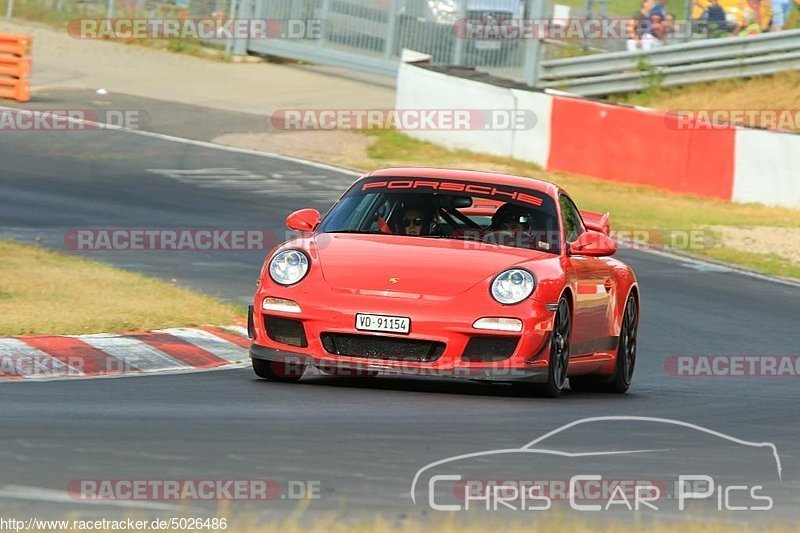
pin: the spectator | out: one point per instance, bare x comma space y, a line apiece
658, 8
716, 19
749, 25
781, 9
669, 28
715, 14
639, 26
655, 38
762, 9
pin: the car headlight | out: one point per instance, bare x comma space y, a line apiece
513, 286
288, 267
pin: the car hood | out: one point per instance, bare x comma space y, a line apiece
412, 265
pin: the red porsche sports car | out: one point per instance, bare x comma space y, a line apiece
449, 273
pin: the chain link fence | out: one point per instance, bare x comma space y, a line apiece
352, 32
63, 11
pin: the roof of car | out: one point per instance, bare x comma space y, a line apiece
466, 175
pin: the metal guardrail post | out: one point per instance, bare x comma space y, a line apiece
326, 19
110, 9
458, 49
244, 10
391, 30
10, 9
533, 47
231, 15
688, 15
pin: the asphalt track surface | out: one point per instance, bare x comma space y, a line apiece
362, 440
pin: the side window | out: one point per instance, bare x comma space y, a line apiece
573, 226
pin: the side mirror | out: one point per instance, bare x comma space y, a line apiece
594, 244
596, 221
303, 220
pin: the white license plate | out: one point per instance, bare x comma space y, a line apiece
386, 323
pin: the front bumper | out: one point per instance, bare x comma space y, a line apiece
354, 366
446, 322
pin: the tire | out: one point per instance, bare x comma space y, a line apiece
558, 363
278, 371
620, 381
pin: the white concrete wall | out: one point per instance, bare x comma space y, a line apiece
767, 168
418, 88
533, 144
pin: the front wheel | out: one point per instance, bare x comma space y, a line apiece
558, 363
279, 371
620, 381
626, 352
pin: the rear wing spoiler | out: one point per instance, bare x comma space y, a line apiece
596, 221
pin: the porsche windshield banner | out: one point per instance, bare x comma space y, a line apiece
423, 185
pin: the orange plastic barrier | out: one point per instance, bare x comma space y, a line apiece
19, 90
18, 45
628, 145
15, 66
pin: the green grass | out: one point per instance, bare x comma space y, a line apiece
44, 292
626, 8
632, 207
776, 92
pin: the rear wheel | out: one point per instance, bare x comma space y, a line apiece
283, 372
558, 363
620, 380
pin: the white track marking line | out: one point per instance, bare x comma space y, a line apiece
21, 492
210, 342
204, 144
20, 359
134, 352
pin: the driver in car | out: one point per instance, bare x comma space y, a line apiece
510, 217
414, 222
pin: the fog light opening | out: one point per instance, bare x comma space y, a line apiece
499, 324
279, 304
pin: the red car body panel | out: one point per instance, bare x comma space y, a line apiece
443, 285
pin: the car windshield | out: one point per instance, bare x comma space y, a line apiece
433, 208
